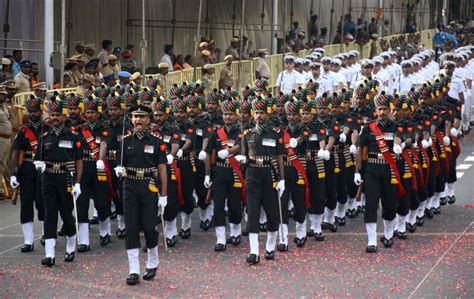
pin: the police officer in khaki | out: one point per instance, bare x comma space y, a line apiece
226, 76
22, 79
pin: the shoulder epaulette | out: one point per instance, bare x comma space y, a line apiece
154, 134
127, 135
246, 131
276, 130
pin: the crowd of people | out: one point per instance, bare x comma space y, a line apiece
340, 135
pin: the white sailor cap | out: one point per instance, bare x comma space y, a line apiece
336, 61
378, 59
326, 59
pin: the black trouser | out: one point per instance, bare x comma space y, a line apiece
201, 191
441, 178
351, 186
260, 192
222, 188
297, 196
30, 190
188, 178
172, 206
451, 175
99, 191
341, 180
141, 209
117, 185
378, 186
404, 201
331, 184
57, 199
432, 177
317, 189
415, 194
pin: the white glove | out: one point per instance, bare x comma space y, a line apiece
414, 145
397, 149
169, 159
40, 166
179, 154
353, 149
321, 154
14, 182
119, 170
425, 144
202, 155
454, 132
207, 182
241, 159
280, 187
223, 154
342, 137
327, 155
100, 165
293, 142
403, 145
162, 202
357, 179
430, 142
76, 190
446, 140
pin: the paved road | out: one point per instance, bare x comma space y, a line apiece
437, 260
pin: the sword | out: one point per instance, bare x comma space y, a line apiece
163, 225
281, 219
74, 199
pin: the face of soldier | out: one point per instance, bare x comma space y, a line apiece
279, 109
306, 117
326, 67
367, 71
229, 118
293, 118
316, 71
382, 112
396, 113
114, 113
335, 111
260, 116
57, 119
245, 117
92, 115
140, 122
323, 112
211, 107
74, 112
160, 117
34, 116
193, 111
180, 115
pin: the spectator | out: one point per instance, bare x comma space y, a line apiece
187, 62
112, 67
313, 30
17, 58
22, 81
34, 72
168, 56
215, 52
208, 77
373, 26
262, 70
410, 27
106, 48
179, 65
69, 70
6, 72
127, 59
386, 28
247, 50
233, 48
90, 52
349, 26
201, 59
295, 30
80, 70
299, 42
226, 79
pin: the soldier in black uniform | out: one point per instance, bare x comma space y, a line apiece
74, 106
295, 136
203, 126
169, 135
381, 177
222, 165
24, 173
263, 148
96, 176
59, 158
186, 162
247, 122
278, 116
144, 191
119, 125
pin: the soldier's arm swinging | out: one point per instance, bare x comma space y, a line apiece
79, 165
14, 161
187, 144
330, 143
103, 150
281, 168
174, 149
163, 178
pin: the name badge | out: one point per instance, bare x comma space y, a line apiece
97, 140
65, 144
230, 142
149, 149
166, 138
199, 132
313, 137
388, 136
268, 142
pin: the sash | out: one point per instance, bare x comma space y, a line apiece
382, 144
444, 150
455, 147
426, 159
234, 164
32, 139
416, 159
407, 158
293, 157
90, 140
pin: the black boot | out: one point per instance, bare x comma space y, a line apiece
220, 247
252, 259
69, 257
48, 261
104, 240
270, 255
133, 279
28, 247
452, 199
149, 274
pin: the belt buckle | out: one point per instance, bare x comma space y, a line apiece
56, 167
92, 155
380, 156
140, 173
259, 161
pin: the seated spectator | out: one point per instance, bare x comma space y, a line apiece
168, 56
187, 62
17, 58
179, 65
34, 72
127, 59
6, 71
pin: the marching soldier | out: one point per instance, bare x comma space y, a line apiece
96, 178
144, 191
263, 149
25, 175
59, 158
382, 179
227, 178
